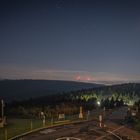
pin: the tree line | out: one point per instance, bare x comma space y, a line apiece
69, 103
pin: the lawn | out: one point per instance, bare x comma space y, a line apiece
18, 126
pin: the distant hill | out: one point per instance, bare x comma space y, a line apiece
125, 88
24, 89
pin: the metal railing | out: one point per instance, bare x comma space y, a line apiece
68, 138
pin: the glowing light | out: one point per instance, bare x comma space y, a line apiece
83, 78
98, 103
88, 79
78, 78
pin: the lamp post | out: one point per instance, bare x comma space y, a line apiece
2, 121
2, 110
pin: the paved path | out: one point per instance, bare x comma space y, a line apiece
116, 119
83, 131
90, 130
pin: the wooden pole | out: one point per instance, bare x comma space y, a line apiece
2, 109
6, 137
31, 125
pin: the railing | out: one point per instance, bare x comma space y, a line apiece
68, 138
21, 127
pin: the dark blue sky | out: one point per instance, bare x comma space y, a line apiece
87, 40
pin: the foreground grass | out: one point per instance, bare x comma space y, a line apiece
18, 126
137, 125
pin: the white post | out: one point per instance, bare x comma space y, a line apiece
81, 113
100, 120
100, 125
43, 118
44, 121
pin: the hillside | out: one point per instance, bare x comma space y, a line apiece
24, 89
127, 88
108, 96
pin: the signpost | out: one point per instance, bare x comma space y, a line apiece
61, 116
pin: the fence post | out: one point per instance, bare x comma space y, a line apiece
31, 125
52, 120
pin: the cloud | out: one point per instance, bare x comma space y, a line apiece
51, 74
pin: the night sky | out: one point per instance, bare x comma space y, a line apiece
80, 40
